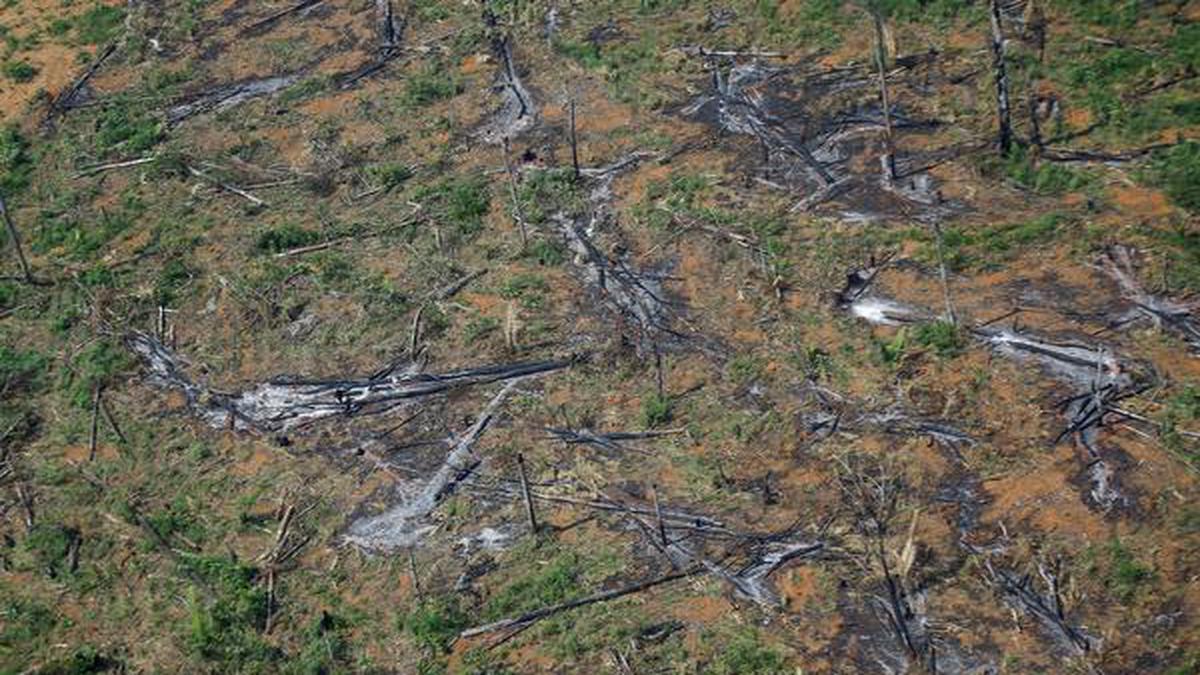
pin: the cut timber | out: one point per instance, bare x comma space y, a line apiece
283, 405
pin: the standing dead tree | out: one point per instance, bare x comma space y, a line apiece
1047, 608
888, 158
1000, 73
14, 239
872, 495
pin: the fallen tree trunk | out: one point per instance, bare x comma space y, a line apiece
282, 405
1165, 314
539, 614
403, 525
67, 98
229, 95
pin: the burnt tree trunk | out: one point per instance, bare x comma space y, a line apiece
16, 241
889, 147
1004, 134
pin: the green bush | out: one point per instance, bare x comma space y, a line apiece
433, 83
656, 410
22, 624
746, 655
15, 162
97, 365
943, 337
284, 238
20, 370
100, 24
132, 131
48, 546
83, 661
19, 71
550, 584
1126, 574
226, 613
1177, 171
435, 623
462, 202
547, 253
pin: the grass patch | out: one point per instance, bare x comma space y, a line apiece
1126, 575
745, 654
552, 583
128, 130
1045, 178
965, 249
100, 24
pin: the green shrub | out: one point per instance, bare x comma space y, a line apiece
1177, 171
48, 545
324, 648
462, 202
19, 71
20, 370
97, 365
746, 655
943, 337
433, 83
284, 238
225, 617
480, 327
435, 623
547, 253
100, 24
22, 624
83, 661
656, 410
132, 131
390, 175
552, 583
548, 192
1126, 574
530, 289
15, 162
